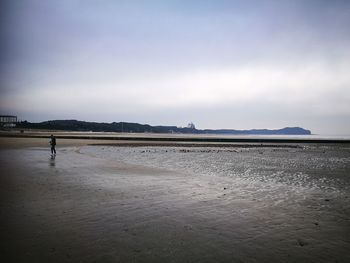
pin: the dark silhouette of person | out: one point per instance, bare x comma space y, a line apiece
53, 144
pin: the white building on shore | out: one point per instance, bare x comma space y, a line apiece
8, 121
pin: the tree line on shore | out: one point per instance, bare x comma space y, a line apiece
75, 125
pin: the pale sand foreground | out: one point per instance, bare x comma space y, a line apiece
79, 208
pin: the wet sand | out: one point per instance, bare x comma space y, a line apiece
80, 207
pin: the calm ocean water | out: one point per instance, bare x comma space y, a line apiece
302, 137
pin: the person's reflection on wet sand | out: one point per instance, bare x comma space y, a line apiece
52, 161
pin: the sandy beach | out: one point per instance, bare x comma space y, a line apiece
164, 204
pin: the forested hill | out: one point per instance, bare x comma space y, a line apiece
75, 125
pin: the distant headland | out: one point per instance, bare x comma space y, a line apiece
75, 125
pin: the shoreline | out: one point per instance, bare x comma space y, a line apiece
192, 145
156, 138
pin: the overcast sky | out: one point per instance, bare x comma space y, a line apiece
221, 64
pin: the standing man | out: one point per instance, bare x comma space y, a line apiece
53, 145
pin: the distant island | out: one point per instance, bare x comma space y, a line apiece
75, 125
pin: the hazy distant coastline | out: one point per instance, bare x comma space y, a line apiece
75, 125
